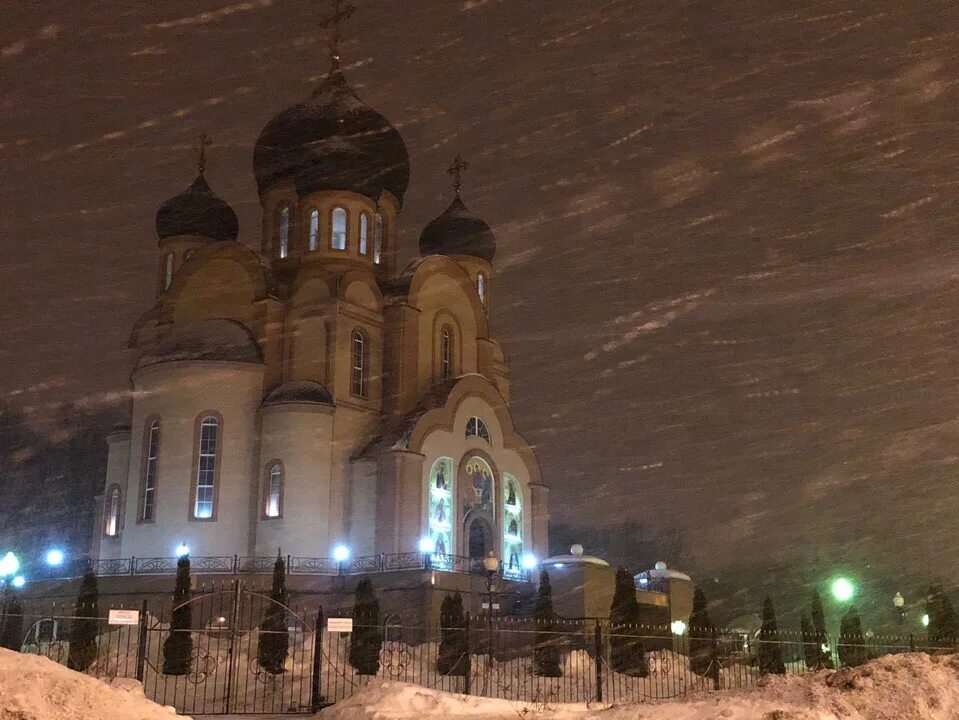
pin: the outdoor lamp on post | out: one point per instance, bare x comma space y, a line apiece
899, 602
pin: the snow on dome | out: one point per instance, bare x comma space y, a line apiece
576, 549
214, 339
197, 211
576, 556
458, 232
36, 688
660, 565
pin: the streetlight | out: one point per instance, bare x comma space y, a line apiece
19, 581
55, 557
9, 565
491, 565
899, 602
843, 589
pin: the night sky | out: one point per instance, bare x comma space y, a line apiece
727, 260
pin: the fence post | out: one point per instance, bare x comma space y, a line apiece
598, 648
316, 699
469, 654
142, 642
912, 643
133, 564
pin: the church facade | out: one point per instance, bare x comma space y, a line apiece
314, 394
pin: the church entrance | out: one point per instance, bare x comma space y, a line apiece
480, 538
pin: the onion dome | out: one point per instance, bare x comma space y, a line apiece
299, 391
216, 339
458, 232
332, 141
197, 211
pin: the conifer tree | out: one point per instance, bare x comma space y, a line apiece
11, 622
367, 637
770, 647
83, 633
274, 642
943, 623
627, 654
811, 651
546, 652
453, 657
852, 643
702, 639
824, 660
178, 647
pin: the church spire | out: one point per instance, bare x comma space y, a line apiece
456, 170
341, 11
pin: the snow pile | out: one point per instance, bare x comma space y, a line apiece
35, 688
895, 687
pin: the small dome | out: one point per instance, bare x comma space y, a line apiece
197, 211
458, 232
332, 141
299, 391
215, 339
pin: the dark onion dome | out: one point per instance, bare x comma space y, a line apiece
197, 211
332, 141
458, 232
299, 391
214, 339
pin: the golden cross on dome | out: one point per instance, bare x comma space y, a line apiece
456, 172
341, 11
205, 142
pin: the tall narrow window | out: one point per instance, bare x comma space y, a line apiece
446, 354
358, 373
314, 230
377, 238
364, 231
338, 229
206, 468
481, 287
150, 471
167, 271
274, 491
112, 522
284, 232
512, 526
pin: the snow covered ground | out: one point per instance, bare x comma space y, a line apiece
897, 687
36, 688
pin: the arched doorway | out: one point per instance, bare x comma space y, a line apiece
479, 538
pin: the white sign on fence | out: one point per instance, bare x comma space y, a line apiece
339, 624
124, 617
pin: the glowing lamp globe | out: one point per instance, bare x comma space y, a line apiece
9, 565
19, 581
678, 627
341, 553
925, 621
491, 563
529, 561
842, 590
427, 545
55, 557
182, 549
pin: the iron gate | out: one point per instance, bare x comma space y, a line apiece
225, 672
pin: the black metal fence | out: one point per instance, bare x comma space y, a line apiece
225, 670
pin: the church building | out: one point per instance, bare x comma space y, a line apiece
313, 396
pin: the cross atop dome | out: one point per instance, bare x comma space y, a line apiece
204, 143
456, 170
341, 11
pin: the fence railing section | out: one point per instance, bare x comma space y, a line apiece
239, 565
244, 653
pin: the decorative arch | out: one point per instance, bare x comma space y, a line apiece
476, 491
441, 265
354, 277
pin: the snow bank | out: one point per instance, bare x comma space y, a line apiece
35, 688
896, 687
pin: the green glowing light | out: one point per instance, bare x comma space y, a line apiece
843, 590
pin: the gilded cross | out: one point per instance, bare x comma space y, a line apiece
341, 11
456, 171
205, 142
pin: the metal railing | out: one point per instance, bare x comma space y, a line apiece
297, 565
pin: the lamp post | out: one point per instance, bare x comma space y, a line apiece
491, 565
899, 602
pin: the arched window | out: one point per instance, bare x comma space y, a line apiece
111, 525
338, 229
314, 229
167, 271
283, 232
481, 287
476, 427
273, 505
364, 230
206, 469
377, 238
512, 525
152, 453
440, 504
360, 366
446, 353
